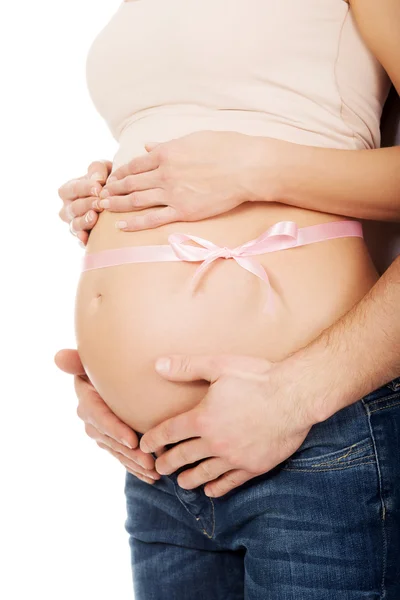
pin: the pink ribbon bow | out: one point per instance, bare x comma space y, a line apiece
280, 236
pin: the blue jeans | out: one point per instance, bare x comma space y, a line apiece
322, 525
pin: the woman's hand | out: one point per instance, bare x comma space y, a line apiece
78, 196
194, 177
109, 432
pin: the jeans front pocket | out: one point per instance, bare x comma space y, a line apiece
342, 441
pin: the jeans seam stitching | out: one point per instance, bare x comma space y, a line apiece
358, 447
385, 407
305, 470
383, 399
348, 462
383, 507
213, 520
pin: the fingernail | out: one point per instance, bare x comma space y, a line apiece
97, 176
163, 365
121, 224
69, 212
82, 245
89, 217
126, 443
95, 191
104, 193
104, 203
95, 204
111, 179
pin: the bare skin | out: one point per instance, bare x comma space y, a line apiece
92, 197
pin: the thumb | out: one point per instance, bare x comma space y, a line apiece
69, 362
99, 170
189, 368
210, 368
151, 145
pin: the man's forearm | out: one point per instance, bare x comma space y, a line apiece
364, 184
354, 356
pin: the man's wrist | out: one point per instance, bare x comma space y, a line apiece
320, 379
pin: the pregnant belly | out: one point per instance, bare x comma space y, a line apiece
128, 315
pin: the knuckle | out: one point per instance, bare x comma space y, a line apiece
235, 460
182, 453
61, 214
232, 478
80, 412
74, 225
166, 430
127, 183
73, 188
154, 218
163, 153
205, 468
69, 212
185, 364
94, 165
217, 487
134, 200
218, 447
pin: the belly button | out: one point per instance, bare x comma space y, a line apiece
96, 300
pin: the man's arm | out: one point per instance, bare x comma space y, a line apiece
357, 354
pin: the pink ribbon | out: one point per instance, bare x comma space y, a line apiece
280, 236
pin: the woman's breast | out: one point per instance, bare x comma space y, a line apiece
128, 315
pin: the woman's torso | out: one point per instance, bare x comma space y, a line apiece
277, 68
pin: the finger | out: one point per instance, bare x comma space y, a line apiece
99, 170
128, 464
209, 368
182, 454
207, 470
151, 145
190, 368
133, 201
175, 429
142, 477
132, 183
69, 361
85, 223
80, 207
155, 218
134, 455
138, 164
93, 410
79, 188
83, 237
226, 483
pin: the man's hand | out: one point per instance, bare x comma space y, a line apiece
79, 198
249, 421
109, 432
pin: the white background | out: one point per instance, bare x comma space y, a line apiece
62, 506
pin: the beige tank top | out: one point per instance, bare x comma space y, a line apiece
296, 70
